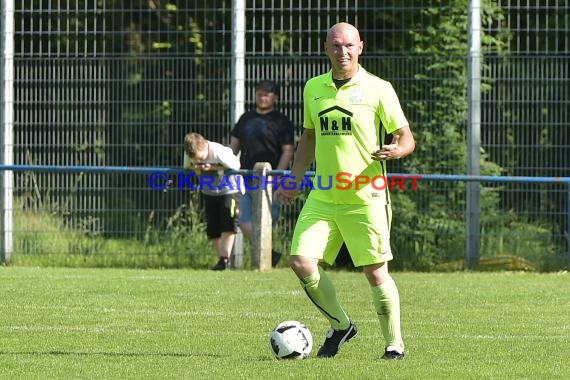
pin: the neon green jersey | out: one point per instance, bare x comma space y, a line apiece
350, 123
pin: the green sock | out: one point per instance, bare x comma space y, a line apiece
387, 304
321, 291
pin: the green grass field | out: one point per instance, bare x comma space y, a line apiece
182, 324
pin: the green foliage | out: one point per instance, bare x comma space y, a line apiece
155, 101
427, 238
441, 114
151, 104
183, 236
528, 241
42, 238
423, 238
429, 224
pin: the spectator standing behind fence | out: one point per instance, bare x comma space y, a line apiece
221, 198
263, 135
347, 113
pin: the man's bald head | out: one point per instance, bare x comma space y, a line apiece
343, 47
343, 28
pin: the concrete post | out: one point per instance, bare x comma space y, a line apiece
261, 218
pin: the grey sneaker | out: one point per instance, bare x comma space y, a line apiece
392, 353
335, 339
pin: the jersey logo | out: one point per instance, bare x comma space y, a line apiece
336, 126
356, 96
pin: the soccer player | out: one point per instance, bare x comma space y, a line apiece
221, 195
263, 134
347, 114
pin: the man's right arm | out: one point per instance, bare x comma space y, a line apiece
304, 155
235, 145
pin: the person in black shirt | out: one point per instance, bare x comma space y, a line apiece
263, 135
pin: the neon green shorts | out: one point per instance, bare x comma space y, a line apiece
322, 227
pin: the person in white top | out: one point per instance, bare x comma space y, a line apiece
221, 192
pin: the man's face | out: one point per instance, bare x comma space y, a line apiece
264, 100
343, 47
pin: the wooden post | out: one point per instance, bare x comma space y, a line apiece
261, 218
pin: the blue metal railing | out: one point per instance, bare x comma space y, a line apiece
421, 177
176, 170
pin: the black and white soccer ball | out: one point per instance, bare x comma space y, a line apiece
291, 340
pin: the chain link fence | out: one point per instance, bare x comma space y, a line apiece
119, 83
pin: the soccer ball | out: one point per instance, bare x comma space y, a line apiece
291, 340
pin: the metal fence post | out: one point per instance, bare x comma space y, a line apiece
568, 222
238, 95
261, 218
473, 225
6, 135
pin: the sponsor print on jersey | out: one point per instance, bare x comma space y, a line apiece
356, 96
335, 121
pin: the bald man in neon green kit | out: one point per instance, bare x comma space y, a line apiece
347, 113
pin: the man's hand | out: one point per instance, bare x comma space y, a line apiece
388, 151
287, 191
402, 144
200, 167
